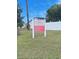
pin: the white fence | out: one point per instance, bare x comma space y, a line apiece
52, 26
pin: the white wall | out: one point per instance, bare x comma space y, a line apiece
52, 26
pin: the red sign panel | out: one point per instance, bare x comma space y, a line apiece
39, 28
39, 25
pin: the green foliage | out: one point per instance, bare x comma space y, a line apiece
19, 17
54, 13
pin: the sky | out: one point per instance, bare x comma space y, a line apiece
37, 8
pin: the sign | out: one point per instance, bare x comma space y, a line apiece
39, 26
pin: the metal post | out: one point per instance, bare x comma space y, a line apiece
27, 14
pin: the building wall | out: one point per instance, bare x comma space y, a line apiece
52, 26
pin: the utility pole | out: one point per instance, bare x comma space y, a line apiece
28, 25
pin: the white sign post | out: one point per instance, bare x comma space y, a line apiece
39, 25
45, 28
33, 29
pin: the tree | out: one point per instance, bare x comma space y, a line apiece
54, 13
19, 17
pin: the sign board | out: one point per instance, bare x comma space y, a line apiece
39, 26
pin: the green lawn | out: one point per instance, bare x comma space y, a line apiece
40, 47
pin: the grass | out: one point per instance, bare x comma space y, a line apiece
40, 47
